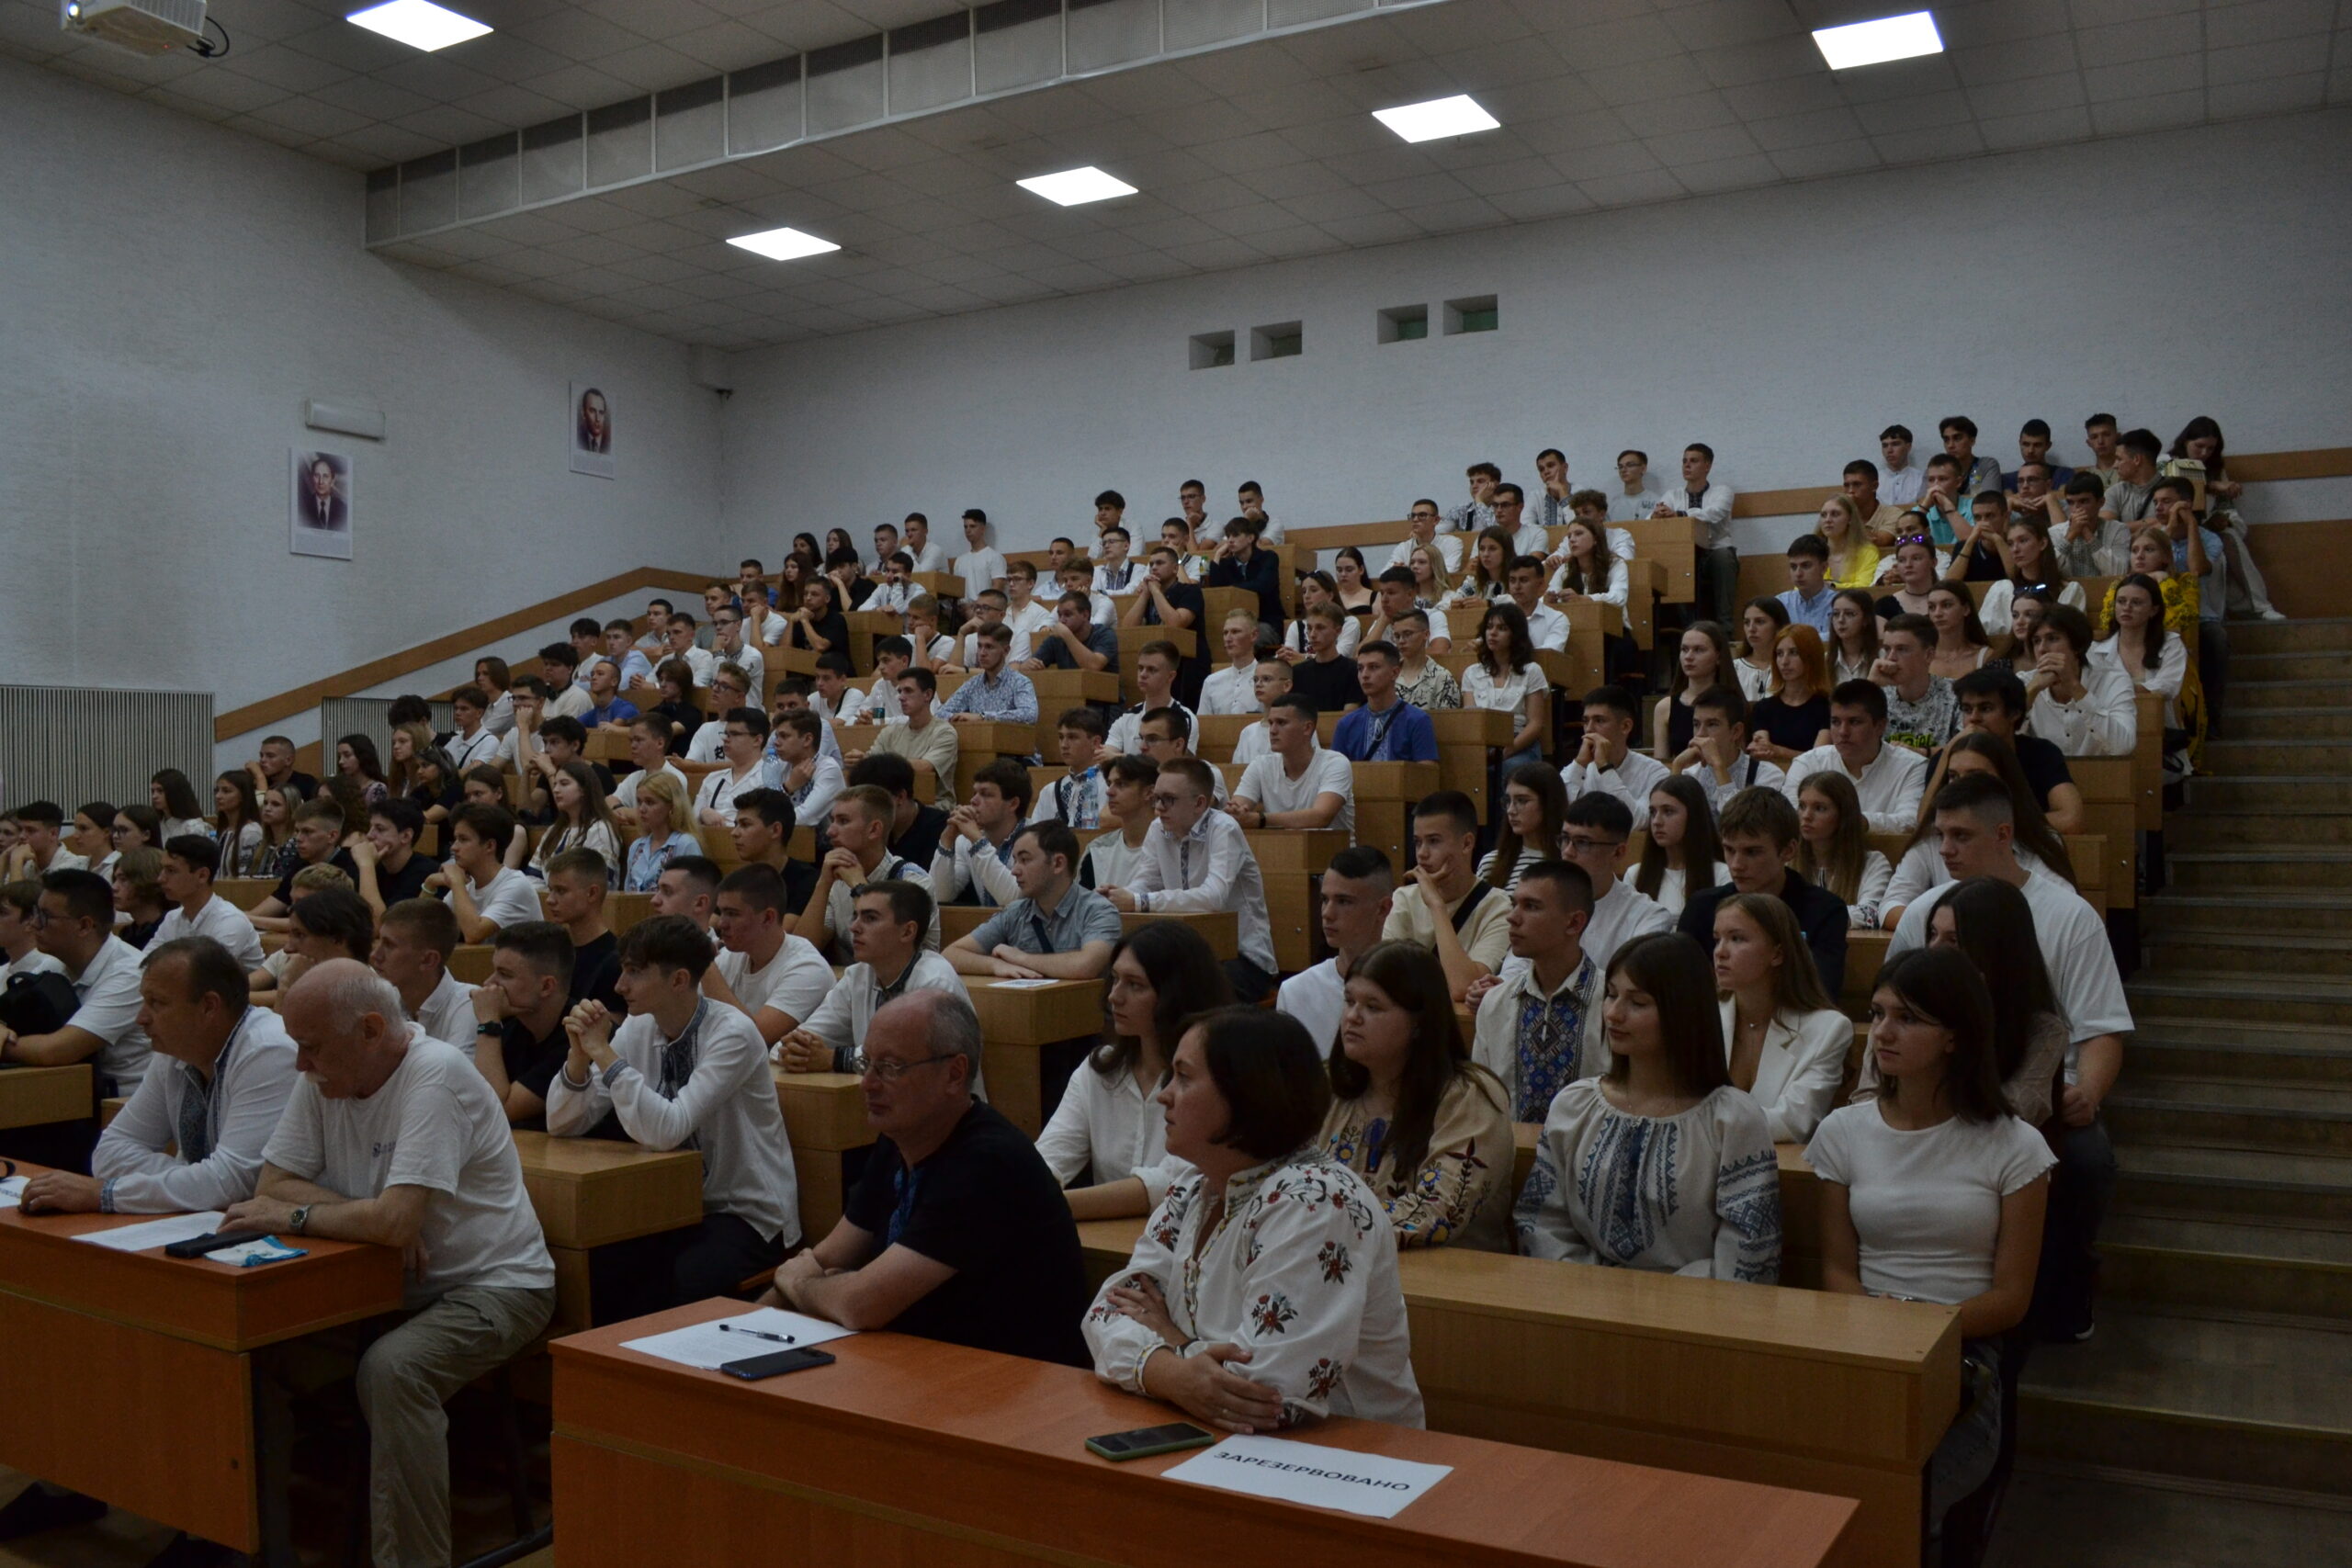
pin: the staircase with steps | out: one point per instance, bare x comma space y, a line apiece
2222, 1360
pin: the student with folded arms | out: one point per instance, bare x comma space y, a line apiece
1109, 1125
682, 1070
1934, 1192
1427, 1128
519, 1044
1054, 929
1660, 1163
1263, 1293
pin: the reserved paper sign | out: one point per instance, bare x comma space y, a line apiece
1310, 1474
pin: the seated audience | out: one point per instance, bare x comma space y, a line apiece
1538, 1027
1922, 866
1323, 672
689, 886
1992, 702
860, 829
413, 941
1794, 716
1718, 757
328, 921
1156, 669
394, 1139
1680, 853
1759, 834
1805, 602
2138, 644
1447, 908
915, 828
186, 879
1535, 812
2082, 706
1298, 786
1935, 1192
573, 898
1659, 1163
888, 957
484, 893
662, 812
1852, 557
385, 865
1761, 622
956, 1231
1887, 779
140, 901
1052, 929
1960, 645
317, 833
74, 923
1260, 1218
1242, 563
1358, 892
1506, 679
1110, 1127
1921, 712
1196, 859
581, 818
1427, 1128
20, 950
236, 826
518, 1041
924, 737
744, 738
1787, 1039
1851, 652
1599, 828
1834, 851
772, 976
1077, 797
682, 1070
803, 772
1702, 662
993, 692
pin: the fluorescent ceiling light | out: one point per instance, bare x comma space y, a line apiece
1073, 187
420, 24
1458, 116
1871, 44
784, 245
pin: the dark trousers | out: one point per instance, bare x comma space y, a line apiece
1718, 585
652, 1273
2079, 1190
1250, 984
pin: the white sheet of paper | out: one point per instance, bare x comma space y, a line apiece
1310, 1474
155, 1233
1024, 985
712, 1345
12, 1191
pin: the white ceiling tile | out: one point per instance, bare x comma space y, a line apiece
2008, 100
2126, 42
280, 67
1634, 190
2146, 78
1998, 21
1897, 79
1520, 173
1675, 76
2262, 61
1662, 117
2014, 60
1797, 94
1771, 59
2275, 95
1702, 146
1921, 113
225, 90
1554, 201
1374, 229
1820, 127
1565, 134
1611, 44
1716, 24
1819, 159
1727, 173
2160, 112
580, 86
2045, 127
1929, 145
314, 117
1589, 163
2090, 14
2264, 20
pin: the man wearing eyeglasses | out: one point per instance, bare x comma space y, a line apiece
72, 921
956, 1231
887, 919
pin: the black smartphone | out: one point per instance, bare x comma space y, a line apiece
1144, 1441
771, 1366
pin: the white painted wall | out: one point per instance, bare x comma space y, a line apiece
170, 294
2158, 276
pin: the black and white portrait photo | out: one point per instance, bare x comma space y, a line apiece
321, 505
591, 431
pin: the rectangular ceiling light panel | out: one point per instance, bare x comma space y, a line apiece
1459, 116
1074, 188
784, 245
420, 24
1875, 43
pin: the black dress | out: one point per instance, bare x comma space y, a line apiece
1796, 727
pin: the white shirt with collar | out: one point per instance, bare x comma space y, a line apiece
1801, 1069
726, 1109
746, 658
221, 920
625, 796
1630, 781
1015, 653
479, 747
1547, 629
448, 1013
1209, 868
570, 703
1713, 508
1619, 915
1231, 689
931, 558
840, 1020
1315, 997
1889, 787
963, 862
35, 962
251, 1078
107, 993
1115, 1127
720, 789
1030, 618
1445, 544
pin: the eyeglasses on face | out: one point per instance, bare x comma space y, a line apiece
891, 1072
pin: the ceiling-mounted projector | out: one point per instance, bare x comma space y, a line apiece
143, 27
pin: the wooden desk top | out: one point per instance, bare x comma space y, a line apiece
590, 1191
995, 736
1036, 1015
209, 1303
1289, 848
823, 1110
1472, 726
1070, 687
960, 1442
32, 1096
1395, 780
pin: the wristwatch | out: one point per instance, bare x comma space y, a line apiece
486, 1028
301, 1219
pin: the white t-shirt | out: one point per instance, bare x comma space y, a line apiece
221, 920
624, 797
1015, 652
1927, 1204
108, 994
793, 983
1251, 744
33, 963
509, 898
1314, 997
448, 1014
433, 1125
1480, 689
1266, 781
980, 569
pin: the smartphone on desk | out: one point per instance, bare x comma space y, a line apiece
1144, 1441
753, 1368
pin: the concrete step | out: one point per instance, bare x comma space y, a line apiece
2248, 695
2314, 635
2212, 827
2258, 868
2187, 1262
2298, 754
2323, 952
2284, 794
2309, 911
2236, 1185
2223, 1114
2289, 664
2264, 724
2290, 1055
2064, 1516
2252, 997
2213, 1399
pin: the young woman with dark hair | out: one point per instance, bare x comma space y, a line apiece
1682, 854
1535, 812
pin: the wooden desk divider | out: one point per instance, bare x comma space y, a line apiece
1131, 645
1673, 543
859, 739
590, 1192
1384, 791
977, 745
824, 1115
244, 892
470, 962
1469, 742
1293, 863
867, 628
938, 584
1014, 1022
2111, 812
35, 1096
1059, 691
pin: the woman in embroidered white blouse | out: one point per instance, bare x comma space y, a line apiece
1659, 1164
1160, 974
1263, 1292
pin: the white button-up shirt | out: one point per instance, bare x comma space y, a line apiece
1209, 868
221, 920
1115, 1125
251, 1079
1889, 787
1630, 781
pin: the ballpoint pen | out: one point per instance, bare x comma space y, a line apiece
758, 1334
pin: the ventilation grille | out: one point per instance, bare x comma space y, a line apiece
69, 744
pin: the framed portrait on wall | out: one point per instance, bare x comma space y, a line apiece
592, 430
319, 504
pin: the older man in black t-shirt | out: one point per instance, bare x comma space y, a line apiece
958, 1231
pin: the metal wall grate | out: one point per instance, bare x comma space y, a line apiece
70, 744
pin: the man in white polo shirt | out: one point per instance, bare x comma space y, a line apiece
1298, 785
186, 880
73, 922
773, 977
681, 1071
1359, 887
1888, 779
393, 1139
1975, 830
484, 892
1196, 860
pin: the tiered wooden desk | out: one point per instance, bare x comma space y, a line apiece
1016, 1020
824, 1115
1293, 863
590, 1192
1847, 1396
1673, 544
1221, 927
912, 1451
1131, 645
35, 1096
1469, 742
980, 744
129, 1376
1384, 793
244, 892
